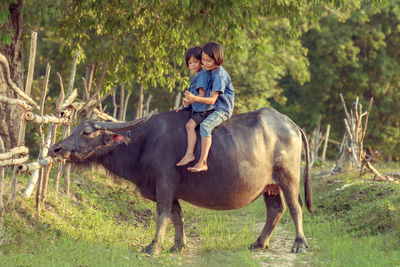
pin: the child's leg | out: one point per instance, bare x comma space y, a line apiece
206, 127
205, 148
191, 143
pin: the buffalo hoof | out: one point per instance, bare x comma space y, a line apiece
177, 248
152, 249
257, 246
299, 250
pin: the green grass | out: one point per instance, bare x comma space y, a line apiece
106, 223
356, 221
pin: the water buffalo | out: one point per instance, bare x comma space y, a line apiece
251, 154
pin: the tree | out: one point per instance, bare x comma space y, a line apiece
11, 31
355, 54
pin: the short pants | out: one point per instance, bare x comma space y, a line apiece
199, 116
212, 121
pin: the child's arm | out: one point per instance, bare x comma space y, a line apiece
201, 99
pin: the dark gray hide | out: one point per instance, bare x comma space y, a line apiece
248, 152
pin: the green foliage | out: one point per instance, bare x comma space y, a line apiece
6, 33
262, 62
355, 54
144, 41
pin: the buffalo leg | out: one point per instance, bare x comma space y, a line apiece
163, 213
275, 208
177, 220
291, 193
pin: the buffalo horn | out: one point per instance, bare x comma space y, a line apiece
122, 126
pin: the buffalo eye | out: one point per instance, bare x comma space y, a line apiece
88, 130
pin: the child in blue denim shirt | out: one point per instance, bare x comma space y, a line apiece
199, 86
222, 96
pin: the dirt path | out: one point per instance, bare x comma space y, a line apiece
278, 254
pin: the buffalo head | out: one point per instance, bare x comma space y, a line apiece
93, 138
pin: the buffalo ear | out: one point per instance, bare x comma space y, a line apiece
116, 139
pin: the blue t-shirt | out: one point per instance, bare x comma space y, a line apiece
201, 80
221, 82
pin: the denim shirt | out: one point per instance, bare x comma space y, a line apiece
201, 80
221, 82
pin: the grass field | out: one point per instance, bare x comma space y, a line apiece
106, 223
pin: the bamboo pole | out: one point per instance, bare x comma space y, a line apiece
30, 167
44, 119
328, 128
62, 100
66, 130
9, 162
52, 131
21, 131
43, 146
14, 151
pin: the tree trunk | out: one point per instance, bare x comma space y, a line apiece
140, 104
10, 115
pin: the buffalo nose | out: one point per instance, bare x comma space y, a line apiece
54, 150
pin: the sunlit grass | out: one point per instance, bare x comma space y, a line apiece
106, 223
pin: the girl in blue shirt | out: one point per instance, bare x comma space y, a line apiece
199, 86
222, 96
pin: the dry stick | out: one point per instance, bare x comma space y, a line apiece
344, 106
366, 120
104, 116
91, 104
13, 101
378, 174
18, 161
42, 140
338, 164
14, 151
53, 130
33, 166
66, 130
17, 90
121, 102
31, 117
60, 164
353, 152
70, 98
328, 128
2, 149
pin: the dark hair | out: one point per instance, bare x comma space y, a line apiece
193, 52
215, 51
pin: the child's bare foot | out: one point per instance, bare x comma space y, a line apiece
199, 167
185, 160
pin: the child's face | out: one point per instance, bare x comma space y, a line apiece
194, 65
208, 62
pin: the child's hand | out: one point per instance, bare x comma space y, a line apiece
179, 109
189, 96
185, 102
